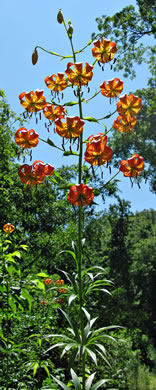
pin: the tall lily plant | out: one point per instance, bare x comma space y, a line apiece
82, 339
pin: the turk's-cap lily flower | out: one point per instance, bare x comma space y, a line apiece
35, 173
52, 113
8, 228
97, 152
57, 82
79, 76
62, 290
80, 195
104, 50
124, 124
26, 138
133, 166
48, 281
129, 105
112, 89
72, 128
60, 301
44, 303
32, 101
59, 282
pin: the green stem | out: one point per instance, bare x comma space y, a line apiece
7, 338
80, 230
52, 52
111, 179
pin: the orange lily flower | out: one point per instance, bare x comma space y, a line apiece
26, 138
60, 281
62, 290
124, 124
56, 82
52, 113
80, 195
79, 76
129, 105
72, 128
35, 173
133, 166
112, 89
60, 301
104, 50
44, 303
97, 153
48, 281
8, 228
32, 101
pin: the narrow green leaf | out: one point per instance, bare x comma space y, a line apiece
99, 383
64, 387
92, 268
71, 253
71, 299
24, 247
25, 294
92, 355
75, 379
17, 254
90, 119
103, 357
36, 365
89, 381
45, 368
12, 304
55, 346
51, 143
86, 314
43, 275
70, 104
70, 323
69, 153
67, 348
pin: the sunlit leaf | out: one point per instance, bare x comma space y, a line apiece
89, 381
99, 383
71, 299
76, 380
63, 386
36, 365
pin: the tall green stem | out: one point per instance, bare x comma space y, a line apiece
7, 337
80, 231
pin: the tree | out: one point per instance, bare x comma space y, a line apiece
127, 27
143, 139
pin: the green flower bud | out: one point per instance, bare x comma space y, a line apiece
70, 30
34, 57
60, 16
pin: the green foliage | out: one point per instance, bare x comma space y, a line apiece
143, 139
127, 27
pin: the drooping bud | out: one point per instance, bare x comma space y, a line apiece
70, 30
60, 16
34, 57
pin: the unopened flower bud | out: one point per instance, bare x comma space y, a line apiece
70, 30
34, 57
60, 16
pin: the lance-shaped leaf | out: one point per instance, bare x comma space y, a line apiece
90, 119
71, 299
63, 386
92, 355
75, 379
99, 383
89, 381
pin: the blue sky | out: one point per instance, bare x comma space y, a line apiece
27, 24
